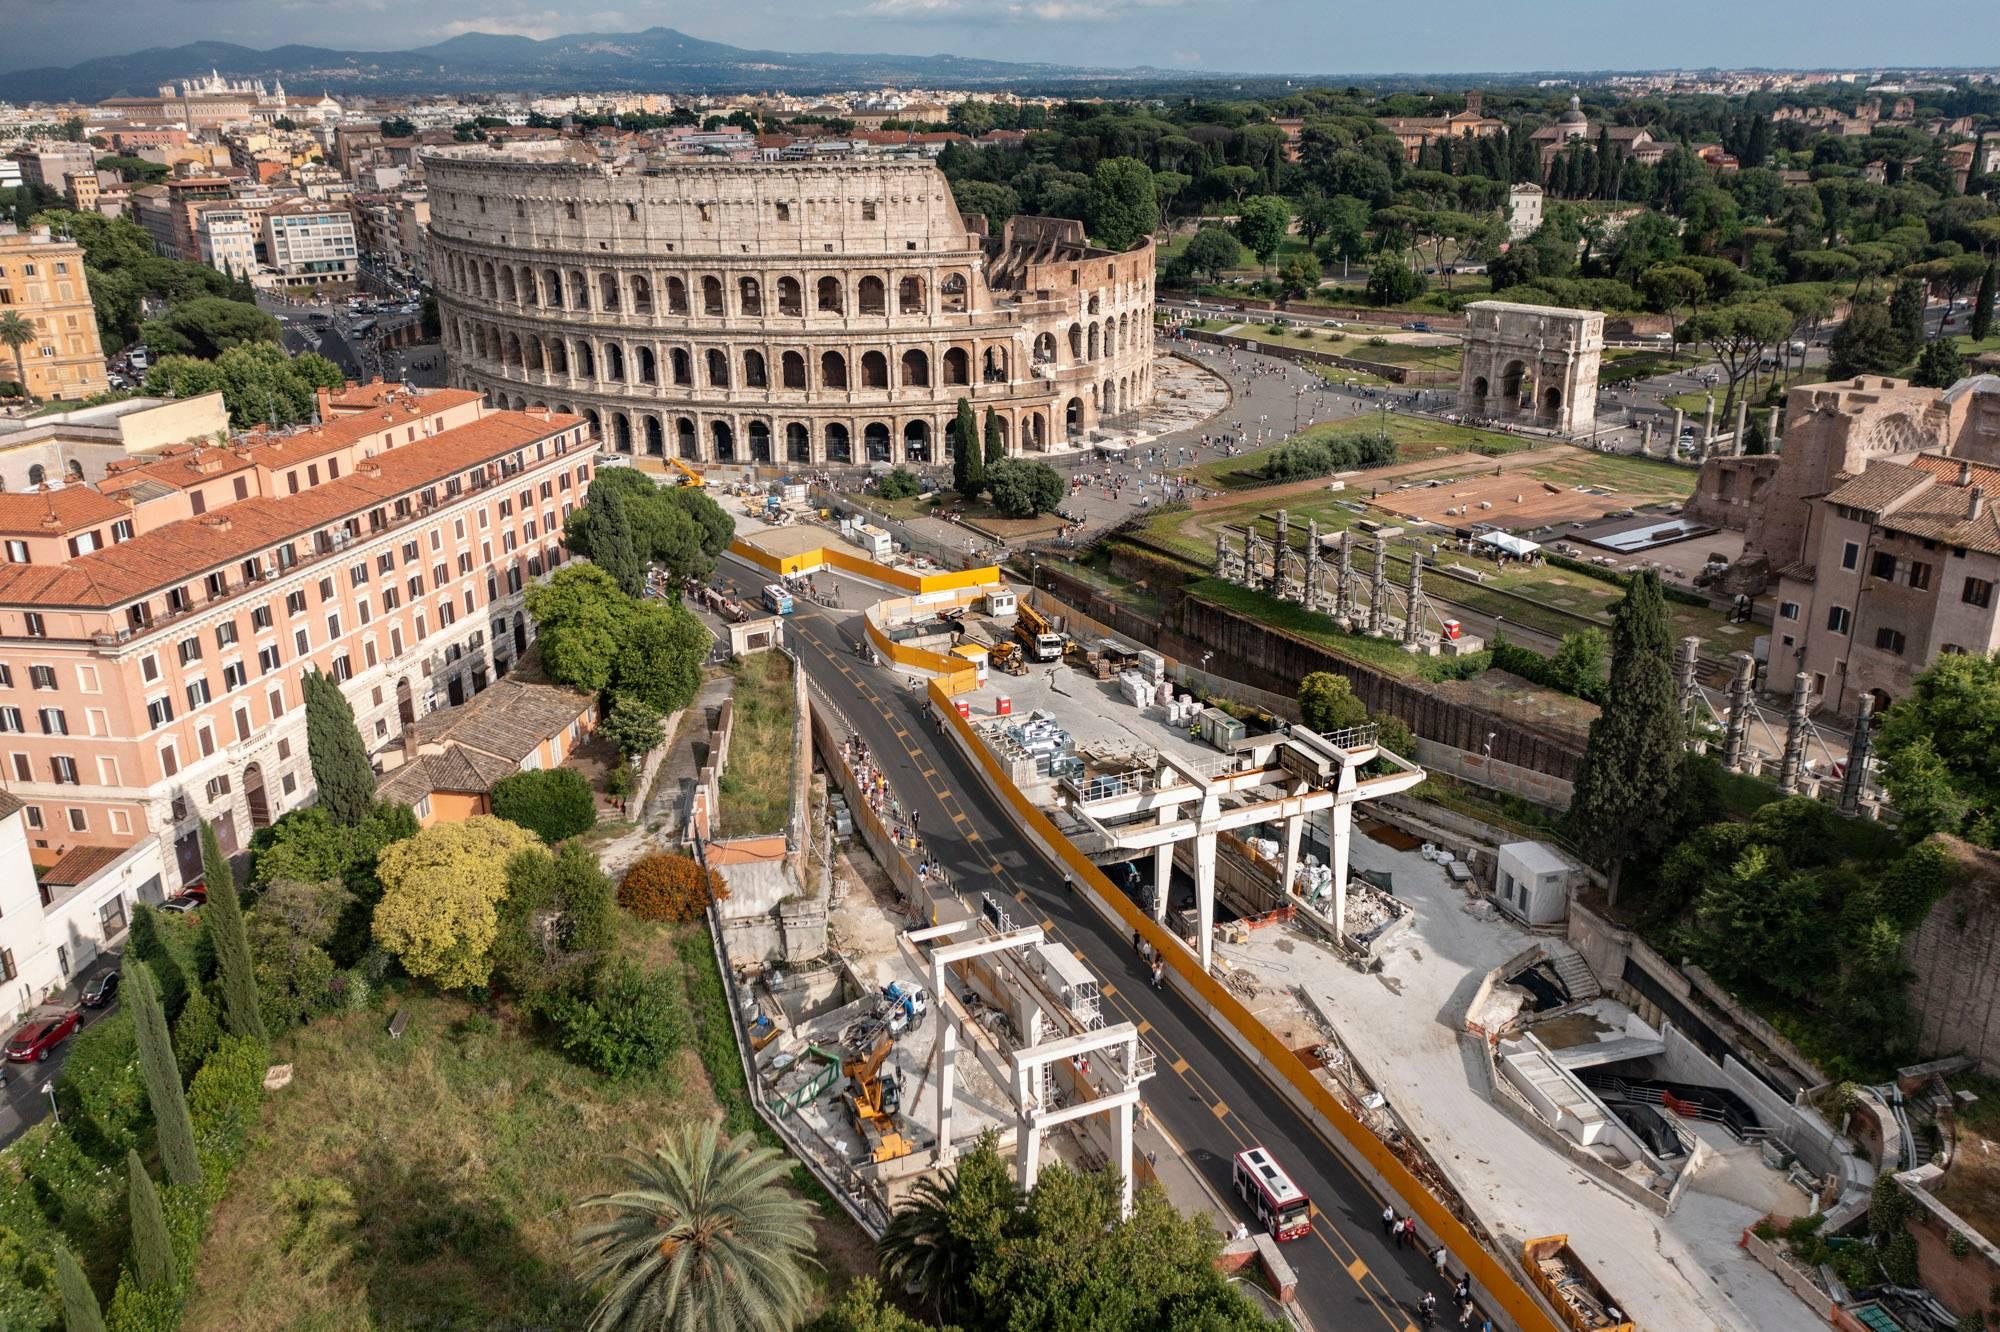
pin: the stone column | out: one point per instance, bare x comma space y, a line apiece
1310, 597
1708, 427
1771, 431
1686, 663
1680, 421
1378, 603
1343, 605
1411, 621
1741, 687
1858, 747
1795, 735
1646, 439
947, 1068
1280, 547
1742, 422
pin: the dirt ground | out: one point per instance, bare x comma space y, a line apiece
1511, 696
1512, 501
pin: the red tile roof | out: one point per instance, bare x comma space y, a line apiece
78, 864
50, 512
179, 467
179, 551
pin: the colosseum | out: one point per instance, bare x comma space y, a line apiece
821, 313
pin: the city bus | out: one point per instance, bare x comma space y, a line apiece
1269, 1193
777, 600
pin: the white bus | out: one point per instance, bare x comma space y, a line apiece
1278, 1204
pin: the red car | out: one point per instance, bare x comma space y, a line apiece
39, 1039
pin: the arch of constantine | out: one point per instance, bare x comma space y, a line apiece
818, 313
1532, 365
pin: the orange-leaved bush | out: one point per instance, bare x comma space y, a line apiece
670, 888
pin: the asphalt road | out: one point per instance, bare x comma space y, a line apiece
1212, 1101
22, 1101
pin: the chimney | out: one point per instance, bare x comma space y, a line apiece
325, 402
1978, 503
1964, 472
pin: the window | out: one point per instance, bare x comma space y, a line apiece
385, 563
277, 701
189, 650
1883, 566
1850, 555
358, 575
1837, 619
197, 692
332, 627
1977, 592
10, 721
62, 769
1788, 610
77, 821
1889, 640
6, 677
260, 618
225, 634
295, 603
17, 552
1920, 575
234, 676
54, 722
22, 770
267, 659
326, 589
160, 711
343, 669
32, 625
868, 210
301, 642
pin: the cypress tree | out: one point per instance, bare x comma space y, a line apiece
224, 915
152, 1251
996, 444
161, 1075
968, 464
1982, 304
611, 546
1629, 780
146, 943
80, 1310
1906, 314
339, 759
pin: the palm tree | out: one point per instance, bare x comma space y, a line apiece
933, 1242
17, 333
703, 1239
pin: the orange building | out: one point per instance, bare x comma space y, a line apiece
41, 279
453, 758
155, 627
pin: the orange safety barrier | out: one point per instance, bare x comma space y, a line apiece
806, 561
1500, 1284
1283, 915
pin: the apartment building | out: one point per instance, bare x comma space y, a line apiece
41, 279
229, 232
1902, 564
155, 627
309, 242
169, 212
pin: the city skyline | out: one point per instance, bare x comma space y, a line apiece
1454, 36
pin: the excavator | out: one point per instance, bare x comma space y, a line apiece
875, 1101
1007, 658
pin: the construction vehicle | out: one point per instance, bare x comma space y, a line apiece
874, 1101
1038, 637
1007, 658
902, 1006
688, 476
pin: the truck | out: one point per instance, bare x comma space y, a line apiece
1569, 1286
1038, 637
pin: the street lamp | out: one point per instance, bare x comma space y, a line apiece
49, 1090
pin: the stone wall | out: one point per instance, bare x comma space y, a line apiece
1955, 991
1400, 374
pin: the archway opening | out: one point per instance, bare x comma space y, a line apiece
875, 437
917, 442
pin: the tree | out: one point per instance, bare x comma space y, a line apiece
80, 1309
152, 1250
1023, 489
985, 198
996, 442
1122, 206
553, 803
1327, 703
861, 1308
339, 760
899, 483
1939, 365
630, 1020
161, 1074
661, 648
17, 332
1299, 275
287, 935
1669, 287
932, 1245
1865, 344
968, 461
557, 922
704, 1235
1261, 223
224, 918
1393, 282
1906, 315
1982, 303
677, 527
441, 892
611, 545
260, 384
580, 617
1738, 336
675, 889
1578, 666
206, 327
1630, 775
1212, 250
633, 726
1940, 750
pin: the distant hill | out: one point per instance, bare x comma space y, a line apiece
658, 58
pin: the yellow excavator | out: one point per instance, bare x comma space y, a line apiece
875, 1101
1006, 657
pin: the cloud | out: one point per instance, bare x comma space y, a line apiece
540, 24
1008, 11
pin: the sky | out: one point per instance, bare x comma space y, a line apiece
1249, 36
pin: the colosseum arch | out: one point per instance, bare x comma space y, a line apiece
828, 295
874, 370
1075, 342
723, 440
507, 289
798, 442
759, 432
558, 358
656, 441
711, 296
1093, 307
832, 370
994, 363
957, 367
649, 366
614, 363
718, 367
537, 356
749, 296
525, 284
1045, 349
679, 364
1091, 342
1073, 417
789, 301
792, 370
621, 432
579, 290
870, 297
552, 289
839, 446
677, 296
754, 376
875, 439
595, 422
917, 442
642, 294
607, 292
686, 442
916, 368
510, 352
491, 287
910, 295
952, 294
586, 363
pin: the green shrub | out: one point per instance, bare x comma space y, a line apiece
898, 484
631, 1021
222, 1105
28, 1298
1959, 1243
553, 803
102, 1099
715, 1036
1899, 1259
195, 1033
1801, 1228
1340, 453
1765, 1230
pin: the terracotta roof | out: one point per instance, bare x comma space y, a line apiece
1922, 498
79, 863
180, 550
49, 512
179, 467
350, 428
1878, 486
10, 805
508, 720
457, 770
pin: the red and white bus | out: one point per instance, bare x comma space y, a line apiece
1268, 1191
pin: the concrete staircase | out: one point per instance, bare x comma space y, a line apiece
1572, 970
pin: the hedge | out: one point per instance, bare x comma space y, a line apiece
1619, 578
552, 803
1532, 665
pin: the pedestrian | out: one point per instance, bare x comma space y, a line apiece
1441, 1258
1463, 1291
1465, 1314
1396, 1231
1388, 1219
1138, 943
1159, 971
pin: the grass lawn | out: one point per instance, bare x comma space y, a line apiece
426, 1181
1622, 367
1417, 438
757, 781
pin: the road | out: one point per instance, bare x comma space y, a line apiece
1206, 1095
23, 1104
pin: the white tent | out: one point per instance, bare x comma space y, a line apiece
1508, 544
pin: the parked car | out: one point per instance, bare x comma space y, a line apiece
99, 991
197, 891
179, 905
37, 1040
